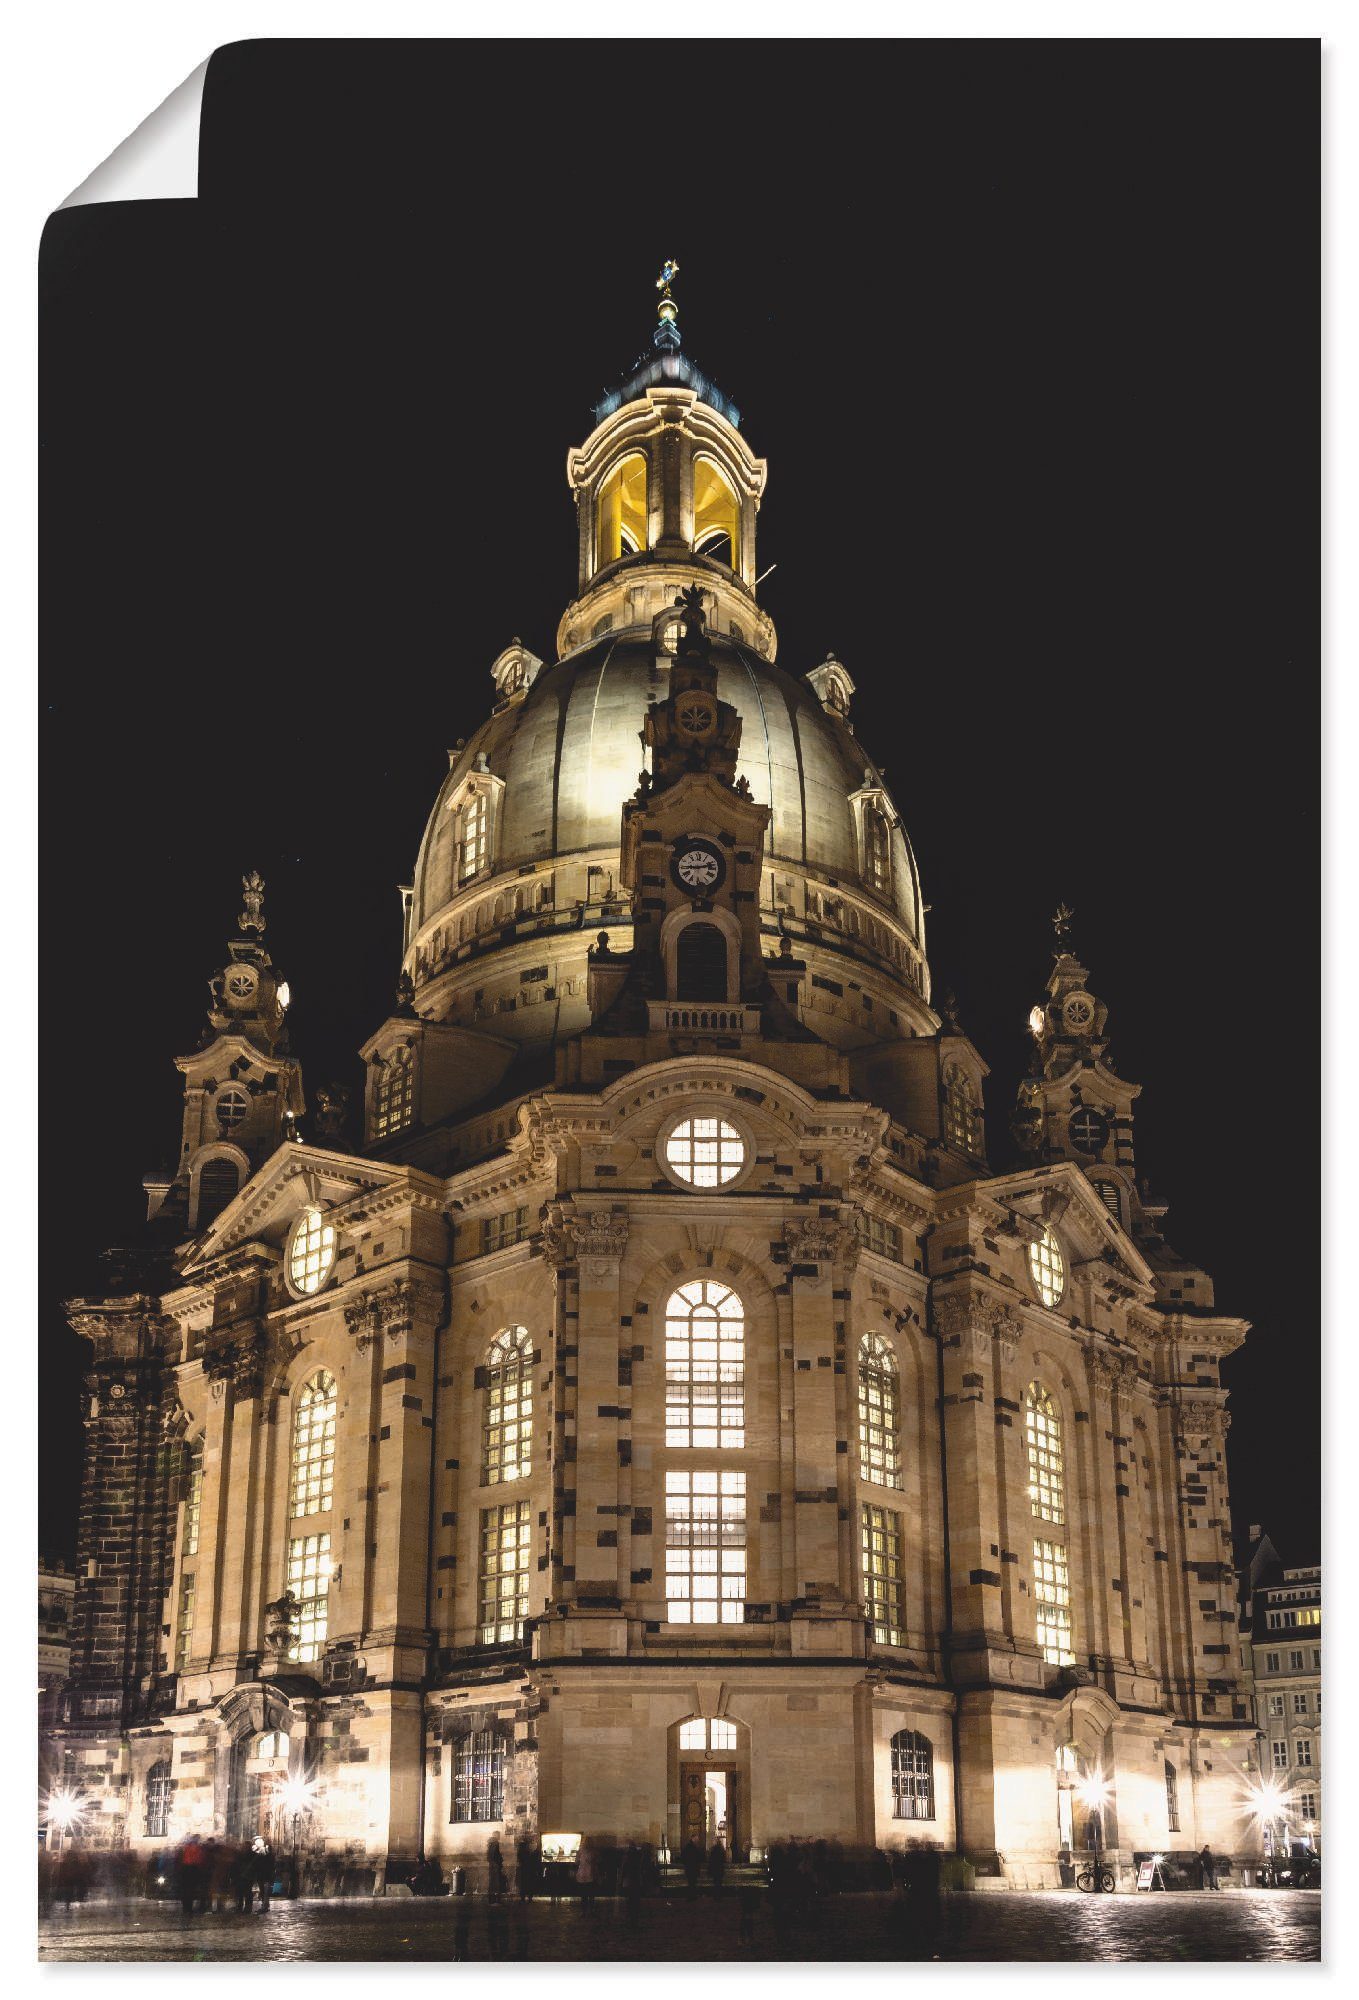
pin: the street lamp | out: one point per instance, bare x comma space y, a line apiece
1268, 1802
65, 1809
296, 1796
1093, 1791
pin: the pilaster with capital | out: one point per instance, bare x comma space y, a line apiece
407, 1315
963, 1325
820, 1251
1004, 1329
595, 1241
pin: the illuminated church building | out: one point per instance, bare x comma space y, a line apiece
666, 1423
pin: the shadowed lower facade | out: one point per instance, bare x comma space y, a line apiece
661, 1422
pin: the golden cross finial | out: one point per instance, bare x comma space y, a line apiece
667, 309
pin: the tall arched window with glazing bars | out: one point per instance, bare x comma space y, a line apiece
313, 1466
1047, 1504
879, 1412
507, 1433
1043, 1442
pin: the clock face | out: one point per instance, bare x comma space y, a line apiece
698, 867
1089, 1130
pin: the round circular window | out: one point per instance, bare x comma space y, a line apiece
311, 1252
1047, 1268
231, 1109
704, 1151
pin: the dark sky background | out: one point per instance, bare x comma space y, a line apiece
1029, 335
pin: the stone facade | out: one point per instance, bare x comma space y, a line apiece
505, 1625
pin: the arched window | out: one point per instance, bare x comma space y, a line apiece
960, 1111
1047, 1268
473, 844
479, 1775
507, 1434
699, 1734
620, 511
217, 1183
311, 1251
705, 1371
912, 1775
700, 963
193, 1498
1172, 1798
1043, 1442
879, 1412
717, 515
314, 1447
877, 850
159, 1792
394, 1096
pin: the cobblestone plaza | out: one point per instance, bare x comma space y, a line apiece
1068, 1927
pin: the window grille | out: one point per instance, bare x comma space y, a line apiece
309, 1581
231, 1109
159, 1791
879, 1412
503, 1604
699, 1734
705, 1388
507, 1442
705, 1547
1052, 1602
394, 1093
479, 1776
312, 1252
880, 1547
705, 1152
1043, 1442
314, 1447
912, 1775
1047, 1268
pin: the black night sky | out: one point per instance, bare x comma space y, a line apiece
1029, 335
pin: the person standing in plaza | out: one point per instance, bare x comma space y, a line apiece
495, 1869
262, 1868
1207, 1868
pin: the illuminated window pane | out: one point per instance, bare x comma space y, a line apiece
193, 1500
880, 1549
620, 511
1052, 1602
705, 1152
721, 1735
1043, 1440
394, 1094
314, 1447
879, 1413
694, 1734
1047, 1268
479, 1776
506, 1535
309, 1582
475, 847
876, 1234
877, 851
960, 1112
705, 1367
184, 1621
912, 1775
705, 1548
507, 1443
717, 516
312, 1252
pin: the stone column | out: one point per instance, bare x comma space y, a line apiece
968, 1426
409, 1313
1013, 1508
823, 1613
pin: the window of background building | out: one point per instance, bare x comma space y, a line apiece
912, 1775
507, 1434
1271, 1663
1047, 1268
1276, 1704
505, 1539
314, 1446
879, 1413
1279, 1754
1295, 1663
705, 1389
880, 1548
479, 1775
705, 1152
1043, 1443
1304, 1750
1307, 1805
394, 1093
309, 1581
1299, 1704
1052, 1602
705, 1547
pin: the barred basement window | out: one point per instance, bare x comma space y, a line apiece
880, 1546
1047, 1268
705, 1548
912, 1775
498, 1231
1052, 1602
879, 1413
503, 1605
875, 1234
705, 1388
314, 1447
1043, 1439
193, 1500
184, 1621
960, 1111
507, 1436
479, 1776
394, 1096
474, 837
309, 1581
1172, 1798
159, 1791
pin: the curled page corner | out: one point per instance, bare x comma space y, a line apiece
159, 160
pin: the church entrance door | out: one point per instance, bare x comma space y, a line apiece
709, 1806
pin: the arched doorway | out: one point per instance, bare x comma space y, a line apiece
710, 1785
256, 1776
701, 963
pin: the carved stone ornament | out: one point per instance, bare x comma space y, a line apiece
237, 1359
282, 1618
1004, 1326
399, 1311
819, 1239
595, 1238
1201, 1419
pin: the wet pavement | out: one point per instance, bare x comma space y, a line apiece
1234, 1925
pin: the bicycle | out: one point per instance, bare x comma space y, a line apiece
1095, 1879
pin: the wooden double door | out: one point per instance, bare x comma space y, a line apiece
711, 1806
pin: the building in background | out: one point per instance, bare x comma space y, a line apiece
663, 1423
56, 1598
1281, 1659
